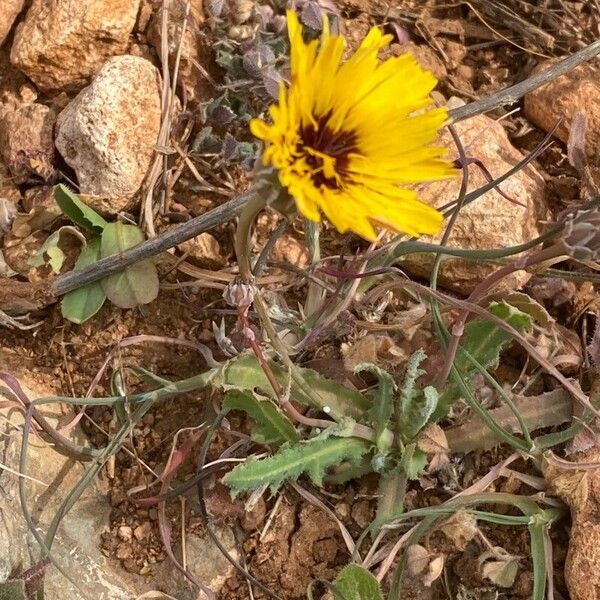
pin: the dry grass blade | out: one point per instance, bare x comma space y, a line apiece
174, 461
508, 18
319, 504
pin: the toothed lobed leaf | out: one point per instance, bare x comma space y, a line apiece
312, 458
380, 412
272, 426
244, 373
415, 406
417, 412
412, 373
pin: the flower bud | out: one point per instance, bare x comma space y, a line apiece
240, 294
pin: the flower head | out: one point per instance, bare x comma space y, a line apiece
344, 136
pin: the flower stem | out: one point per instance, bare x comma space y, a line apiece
243, 234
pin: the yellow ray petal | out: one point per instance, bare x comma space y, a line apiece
344, 137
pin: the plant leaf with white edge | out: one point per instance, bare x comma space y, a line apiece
136, 284
244, 373
484, 340
356, 583
418, 412
416, 465
312, 457
381, 411
79, 212
415, 406
79, 305
272, 426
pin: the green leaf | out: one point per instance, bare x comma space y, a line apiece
272, 427
381, 411
290, 462
56, 257
138, 283
482, 340
416, 464
415, 406
356, 583
417, 412
81, 304
244, 373
77, 211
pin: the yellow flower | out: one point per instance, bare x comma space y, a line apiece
344, 136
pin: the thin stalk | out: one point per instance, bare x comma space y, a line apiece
242, 249
243, 234
315, 293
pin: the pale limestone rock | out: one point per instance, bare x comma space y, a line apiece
62, 43
491, 221
289, 248
560, 100
10, 11
108, 132
8, 190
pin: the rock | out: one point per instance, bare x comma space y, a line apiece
375, 349
15, 88
10, 11
207, 563
205, 251
561, 99
580, 490
53, 475
194, 82
62, 43
491, 221
290, 249
108, 132
26, 142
